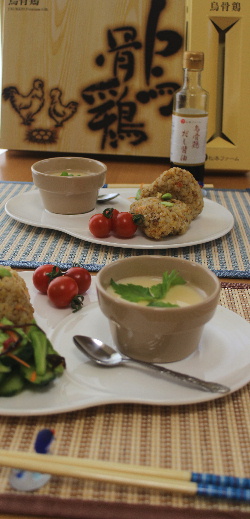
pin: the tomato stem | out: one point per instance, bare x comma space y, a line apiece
108, 212
77, 303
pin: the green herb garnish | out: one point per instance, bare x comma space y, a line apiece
161, 304
66, 174
153, 294
5, 273
130, 292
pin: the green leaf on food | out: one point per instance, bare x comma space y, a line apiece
173, 279
130, 292
161, 304
66, 174
168, 280
153, 294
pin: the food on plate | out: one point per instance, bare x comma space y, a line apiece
123, 224
14, 297
165, 207
27, 357
161, 220
81, 276
63, 292
169, 291
100, 225
181, 185
43, 275
63, 288
169, 204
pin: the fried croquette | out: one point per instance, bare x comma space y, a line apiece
181, 185
160, 220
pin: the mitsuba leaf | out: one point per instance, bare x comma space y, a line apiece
168, 280
172, 279
153, 294
130, 292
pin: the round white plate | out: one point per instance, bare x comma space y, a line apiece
214, 221
223, 356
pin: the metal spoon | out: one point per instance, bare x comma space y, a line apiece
101, 199
104, 355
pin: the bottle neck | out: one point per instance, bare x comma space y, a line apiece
192, 78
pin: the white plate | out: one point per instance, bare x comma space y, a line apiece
223, 356
214, 221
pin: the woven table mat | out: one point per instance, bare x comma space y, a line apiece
24, 246
208, 437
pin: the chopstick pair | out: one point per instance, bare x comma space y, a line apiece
169, 480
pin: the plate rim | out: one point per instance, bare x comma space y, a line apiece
117, 244
114, 399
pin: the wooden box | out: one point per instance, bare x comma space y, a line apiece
90, 76
221, 30
98, 76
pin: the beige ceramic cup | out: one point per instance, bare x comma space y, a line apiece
69, 194
157, 334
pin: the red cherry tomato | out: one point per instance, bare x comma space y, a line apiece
115, 213
81, 276
99, 225
41, 278
111, 213
124, 226
62, 290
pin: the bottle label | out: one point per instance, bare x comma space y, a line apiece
188, 139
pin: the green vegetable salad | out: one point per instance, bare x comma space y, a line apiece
27, 358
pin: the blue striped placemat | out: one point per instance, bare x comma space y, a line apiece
25, 246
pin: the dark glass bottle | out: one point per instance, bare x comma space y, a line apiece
189, 119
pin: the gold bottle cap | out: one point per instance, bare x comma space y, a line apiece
193, 60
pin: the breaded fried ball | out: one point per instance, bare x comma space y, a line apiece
14, 298
161, 221
181, 185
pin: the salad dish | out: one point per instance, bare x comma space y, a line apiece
27, 357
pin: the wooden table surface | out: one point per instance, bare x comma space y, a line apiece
16, 166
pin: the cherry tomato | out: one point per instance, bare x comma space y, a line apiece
81, 276
115, 213
99, 225
41, 277
62, 290
111, 213
124, 225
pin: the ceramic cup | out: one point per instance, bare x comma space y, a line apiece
66, 194
157, 334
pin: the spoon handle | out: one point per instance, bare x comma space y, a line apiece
213, 387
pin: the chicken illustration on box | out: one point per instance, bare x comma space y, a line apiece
26, 105
57, 110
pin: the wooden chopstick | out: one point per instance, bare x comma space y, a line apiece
174, 481
86, 469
